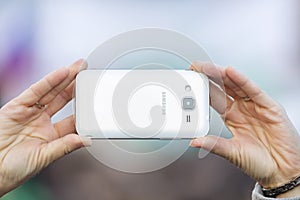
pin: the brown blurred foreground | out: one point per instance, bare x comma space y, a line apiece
79, 176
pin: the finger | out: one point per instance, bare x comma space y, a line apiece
217, 75
35, 92
211, 70
219, 146
218, 99
74, 69
62, 146
251, 90
230, 92
236, 91
65, 126
61, 99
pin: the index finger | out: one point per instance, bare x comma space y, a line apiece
219, 99
36, 91
211, 70
252, 91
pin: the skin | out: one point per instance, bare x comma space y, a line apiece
265, 144
28, 139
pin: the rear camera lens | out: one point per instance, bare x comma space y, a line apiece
188, 103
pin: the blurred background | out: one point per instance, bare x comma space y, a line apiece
259, 38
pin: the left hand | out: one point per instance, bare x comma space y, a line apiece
28, 139
265, 143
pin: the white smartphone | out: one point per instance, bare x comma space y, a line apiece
142, 104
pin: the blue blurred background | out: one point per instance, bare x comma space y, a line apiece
259, 38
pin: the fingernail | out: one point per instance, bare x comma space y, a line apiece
192, 144
83, 64
86, 141
195, 143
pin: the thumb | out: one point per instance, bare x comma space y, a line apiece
219, 146
62, 146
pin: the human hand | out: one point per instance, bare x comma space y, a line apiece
28, 139
265, 144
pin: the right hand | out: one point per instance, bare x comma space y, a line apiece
265, 144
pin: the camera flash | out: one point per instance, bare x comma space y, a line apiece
188, 88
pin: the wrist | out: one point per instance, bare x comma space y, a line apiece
289, 189
279, 179
295, 192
